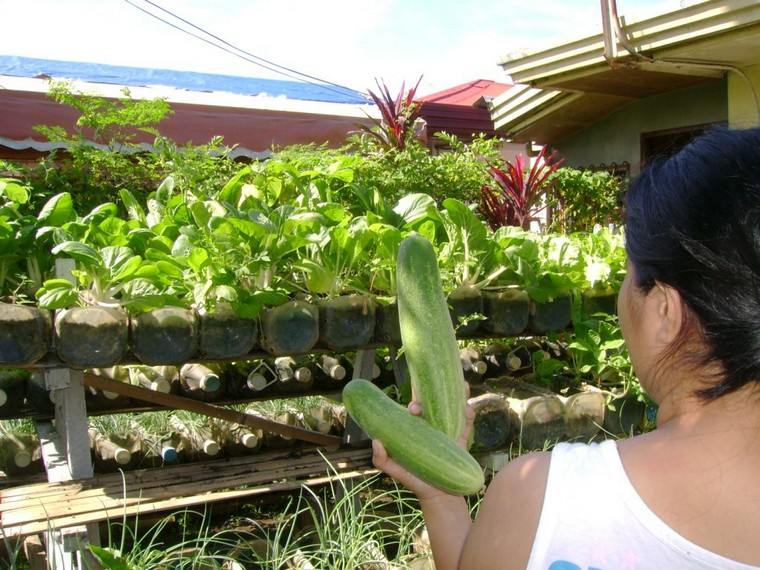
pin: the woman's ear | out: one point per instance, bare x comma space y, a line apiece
670, 308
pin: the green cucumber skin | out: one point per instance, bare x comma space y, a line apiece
412, 442
428, 337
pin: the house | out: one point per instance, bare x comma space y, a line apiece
637, 90
463, 111
252, 114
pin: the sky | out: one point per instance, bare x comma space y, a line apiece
349, 42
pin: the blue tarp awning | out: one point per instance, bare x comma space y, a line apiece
189, 80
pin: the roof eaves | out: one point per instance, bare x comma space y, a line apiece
688, 24
520, 101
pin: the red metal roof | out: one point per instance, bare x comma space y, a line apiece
460, 110
467, 94
255, 130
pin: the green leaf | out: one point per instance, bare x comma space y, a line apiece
114, 257
201, 214
101, 213
413, 207
134, 209
15, 191
79, 252
225, 293
58, 210
58, 283
170, 269
57, 297
198, 259
110, 559
182, 246
129, 269
165, 190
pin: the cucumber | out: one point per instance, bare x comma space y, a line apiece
428, 338
412, 442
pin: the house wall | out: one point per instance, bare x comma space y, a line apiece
616, 138
743, 109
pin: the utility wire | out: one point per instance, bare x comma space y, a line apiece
248, 53
249, 57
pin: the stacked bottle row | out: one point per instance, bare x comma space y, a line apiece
260, 379
171, 437
228, 382
500, 360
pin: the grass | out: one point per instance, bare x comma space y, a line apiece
345, 525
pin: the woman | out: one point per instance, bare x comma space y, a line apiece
686, 495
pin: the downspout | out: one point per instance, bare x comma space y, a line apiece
613, 33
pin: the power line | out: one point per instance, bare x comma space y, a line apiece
251, 58
248, 53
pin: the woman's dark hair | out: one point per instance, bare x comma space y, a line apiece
693, 223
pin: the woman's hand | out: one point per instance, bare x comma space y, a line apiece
385, 463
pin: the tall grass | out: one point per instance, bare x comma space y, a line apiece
346, 525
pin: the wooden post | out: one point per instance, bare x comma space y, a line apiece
353, 435
66, 453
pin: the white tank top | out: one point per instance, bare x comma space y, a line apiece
593, 519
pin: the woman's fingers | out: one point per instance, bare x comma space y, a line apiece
469, 416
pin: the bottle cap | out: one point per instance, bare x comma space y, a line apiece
256, 381
479, 367
514, 362
169, 454
3, 398
22, 459
210, 383
337, 372
122, 456
249, 440
210, 447
303, 374
160, 385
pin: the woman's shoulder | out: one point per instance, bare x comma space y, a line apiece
508, 516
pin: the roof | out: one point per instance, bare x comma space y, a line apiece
188, 80
467, 94
282, 116
461, 110
567, 87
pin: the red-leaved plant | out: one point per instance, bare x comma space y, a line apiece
518, 196
397, 115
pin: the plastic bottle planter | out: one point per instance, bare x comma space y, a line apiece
554, 315
537, 420
491, 426
91, 336
387, 329
599, 301
37, 394
225, 335
627, 415
347, 322
12, 391
464, 301
291, 328
25, 334
165, 336
506, 312
584, 413
20, 454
